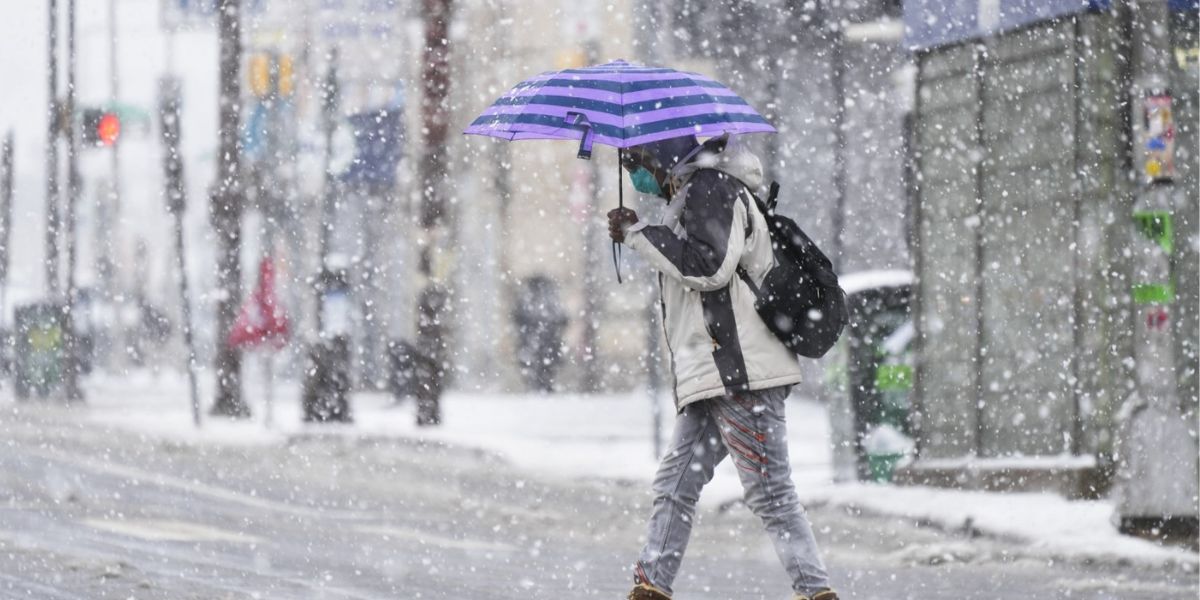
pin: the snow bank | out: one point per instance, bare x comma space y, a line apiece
1049, 525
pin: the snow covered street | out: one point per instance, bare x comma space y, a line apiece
380, 510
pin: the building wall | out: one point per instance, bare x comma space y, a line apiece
532, 215
947, 296
1023, 308
1028, 217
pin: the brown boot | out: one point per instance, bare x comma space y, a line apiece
645, 591
822, 595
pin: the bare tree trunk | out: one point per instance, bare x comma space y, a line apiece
226, 213
433, 304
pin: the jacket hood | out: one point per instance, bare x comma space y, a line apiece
727, 154
670, 151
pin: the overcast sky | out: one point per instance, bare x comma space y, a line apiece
142, 60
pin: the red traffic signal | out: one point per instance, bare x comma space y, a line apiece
100, 127
109, 129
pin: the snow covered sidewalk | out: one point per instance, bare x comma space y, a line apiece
609, 437
1047, 525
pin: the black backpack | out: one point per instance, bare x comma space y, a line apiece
800, 299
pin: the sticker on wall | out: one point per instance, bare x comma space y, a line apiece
1157, 285
1158, 133
1157, 318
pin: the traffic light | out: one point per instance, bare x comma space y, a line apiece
259, 72
269, 74
99, 127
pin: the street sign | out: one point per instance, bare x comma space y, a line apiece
379, 143
199, 14
262, 320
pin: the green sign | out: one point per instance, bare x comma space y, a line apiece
1156, 225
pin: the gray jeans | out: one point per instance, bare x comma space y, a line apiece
750, 427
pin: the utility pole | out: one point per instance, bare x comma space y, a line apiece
54, 130
226, 211
1158, 468
70, 335
170, 125
433, 302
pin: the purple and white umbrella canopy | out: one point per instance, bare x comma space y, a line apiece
617, 104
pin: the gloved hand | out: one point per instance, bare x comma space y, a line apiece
619, 219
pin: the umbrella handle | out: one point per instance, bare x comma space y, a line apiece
579, 121
617, 260
620, 204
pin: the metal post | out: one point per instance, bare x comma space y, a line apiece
269, 384
70, 334
226, 211
329, 107
111, 234
54, 125
169, 116
6, 203
591, 254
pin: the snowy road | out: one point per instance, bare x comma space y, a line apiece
91, 513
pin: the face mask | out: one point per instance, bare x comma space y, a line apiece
644, 182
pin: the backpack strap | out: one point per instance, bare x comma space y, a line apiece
772, 196
749, 282
764, 208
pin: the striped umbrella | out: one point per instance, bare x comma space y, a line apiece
617, 104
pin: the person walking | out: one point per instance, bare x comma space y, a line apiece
732, 375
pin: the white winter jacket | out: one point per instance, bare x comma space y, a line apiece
711, 226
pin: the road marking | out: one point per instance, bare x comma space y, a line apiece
18, 588
157, 530
433, 539
195, 487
